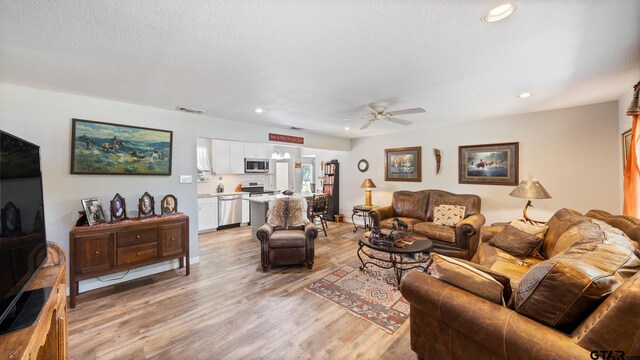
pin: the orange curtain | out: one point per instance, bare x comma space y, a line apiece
632, 171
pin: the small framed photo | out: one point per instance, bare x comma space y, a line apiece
489, 164
118, 209
626, 143
403, 164
93, 210
169, 205
146, 206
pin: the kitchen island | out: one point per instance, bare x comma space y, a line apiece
260, 207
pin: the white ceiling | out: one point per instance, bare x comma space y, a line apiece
312, 64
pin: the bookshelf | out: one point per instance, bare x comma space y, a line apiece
331, 186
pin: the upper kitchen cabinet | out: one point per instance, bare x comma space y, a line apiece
256, 151
221, 157
236, 157
228, 157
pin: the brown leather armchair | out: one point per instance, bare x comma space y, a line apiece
287, 247
416, 209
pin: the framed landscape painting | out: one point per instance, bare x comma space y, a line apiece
114, 149
491, 164
403, 164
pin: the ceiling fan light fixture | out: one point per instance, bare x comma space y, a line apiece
499, 12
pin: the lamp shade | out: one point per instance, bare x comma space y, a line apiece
368, 184
530, 189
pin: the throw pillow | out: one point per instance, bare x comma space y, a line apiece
448, 215
535, 230
515, 242
466, 277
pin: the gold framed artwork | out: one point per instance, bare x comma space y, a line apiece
488, 164
403, 164
626, 143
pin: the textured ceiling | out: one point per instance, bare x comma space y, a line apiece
312, 64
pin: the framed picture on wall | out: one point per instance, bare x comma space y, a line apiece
113, 149
489, 164
626, 142
403, 164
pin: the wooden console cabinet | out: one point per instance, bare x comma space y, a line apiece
47, 337
108, 248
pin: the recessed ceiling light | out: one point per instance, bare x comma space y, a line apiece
499, 12
259, 110
525, 95
347, 128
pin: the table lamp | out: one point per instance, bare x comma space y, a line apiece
367, 185
530, 189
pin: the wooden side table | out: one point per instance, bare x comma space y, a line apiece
363, 212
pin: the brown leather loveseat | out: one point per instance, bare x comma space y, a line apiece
416, 208
579, 300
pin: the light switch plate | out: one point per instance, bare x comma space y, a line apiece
186, 179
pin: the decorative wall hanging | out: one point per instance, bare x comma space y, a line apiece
146, 206
436, 152
626, 142
403, 164
93, 211
490, 164
363, 165
169, 205
113, 149
118, 209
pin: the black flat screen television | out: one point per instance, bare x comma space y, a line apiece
22, 230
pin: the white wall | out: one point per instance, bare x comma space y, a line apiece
44, 118
574, 152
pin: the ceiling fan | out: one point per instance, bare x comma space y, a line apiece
379, 112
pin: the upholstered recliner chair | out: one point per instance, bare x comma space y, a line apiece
416, 208
288, 236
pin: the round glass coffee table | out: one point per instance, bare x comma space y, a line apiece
405, 253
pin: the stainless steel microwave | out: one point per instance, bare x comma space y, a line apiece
256, 166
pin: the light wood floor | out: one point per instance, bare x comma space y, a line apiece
229, 309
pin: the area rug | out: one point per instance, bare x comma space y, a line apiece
370, 294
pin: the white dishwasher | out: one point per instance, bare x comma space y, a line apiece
229, 209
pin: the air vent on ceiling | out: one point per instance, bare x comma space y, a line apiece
189, 110
296, 128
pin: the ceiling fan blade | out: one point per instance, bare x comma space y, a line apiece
400, 121
408, 111
367, 124
372, 110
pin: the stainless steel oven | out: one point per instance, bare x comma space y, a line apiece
256, 166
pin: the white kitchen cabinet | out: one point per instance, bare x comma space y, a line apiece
245, 208
236, 150
207, 213
262, 150
251, 150
221, 157
257, 151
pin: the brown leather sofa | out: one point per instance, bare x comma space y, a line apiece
416, 209
450, 323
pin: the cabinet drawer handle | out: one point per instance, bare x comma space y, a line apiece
137, 236
173, 239
97, 252
138, 253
